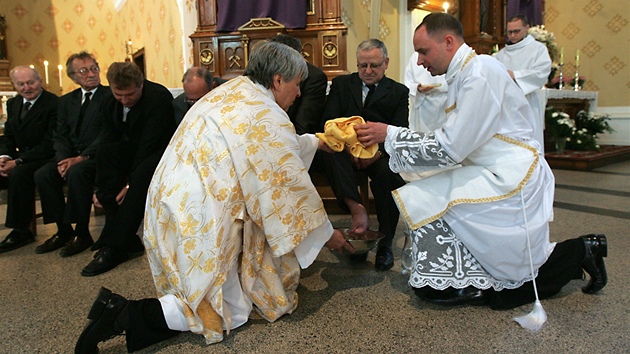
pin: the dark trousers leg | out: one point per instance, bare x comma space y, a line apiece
131, 211
81, 178
382, 182
563, 265
342, 178
147, 324
21, 195
50, 188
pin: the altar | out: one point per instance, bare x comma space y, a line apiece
567, 101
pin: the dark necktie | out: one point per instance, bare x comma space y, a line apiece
25, 108
371, 89
84, 106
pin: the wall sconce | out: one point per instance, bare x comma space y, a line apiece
128, 50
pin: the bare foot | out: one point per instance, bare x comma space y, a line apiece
360, 219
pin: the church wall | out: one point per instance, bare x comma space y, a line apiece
52, 30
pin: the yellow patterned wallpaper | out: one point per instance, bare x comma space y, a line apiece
600, 29
52, 30
356, 16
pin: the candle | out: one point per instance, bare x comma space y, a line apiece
46, 70
577, 58
561, 55
60, 68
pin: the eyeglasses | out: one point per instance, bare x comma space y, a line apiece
94, 69
372, 66
517, 31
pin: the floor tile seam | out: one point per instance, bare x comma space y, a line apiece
592, 210
616, 193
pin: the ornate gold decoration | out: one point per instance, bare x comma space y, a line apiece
261, 23
206, 57
330, 50
234, 59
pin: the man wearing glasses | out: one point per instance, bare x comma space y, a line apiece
137, 126
529, 65
376, 98
196, 82
74, 141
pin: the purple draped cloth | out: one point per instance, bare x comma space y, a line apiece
231, 14
532, 9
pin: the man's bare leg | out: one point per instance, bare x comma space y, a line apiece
360, 219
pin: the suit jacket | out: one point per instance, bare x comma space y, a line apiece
150, 124
306, 111
389, 103
180, 107
31, 139
66, 140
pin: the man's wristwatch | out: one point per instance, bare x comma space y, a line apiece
18, 162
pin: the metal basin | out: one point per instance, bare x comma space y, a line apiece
362, 243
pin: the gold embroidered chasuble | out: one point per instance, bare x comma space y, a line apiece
230, 187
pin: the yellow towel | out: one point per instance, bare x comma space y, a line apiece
339, 132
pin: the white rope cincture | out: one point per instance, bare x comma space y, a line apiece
534, 320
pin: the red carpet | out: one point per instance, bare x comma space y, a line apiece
588, 160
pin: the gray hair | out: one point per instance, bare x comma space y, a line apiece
35, 72
81, 55
268, 59
370, 44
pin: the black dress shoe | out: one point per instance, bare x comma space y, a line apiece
103, 323
16, 239
76, 246
453, 297
596, 248
384, 258
107, 258
54, 243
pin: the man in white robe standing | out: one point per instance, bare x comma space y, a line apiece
472, 225
529, 65
231, 214
427, 96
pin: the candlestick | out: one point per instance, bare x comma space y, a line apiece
561, 55
46, 70
60, 68
577, 57
560, 78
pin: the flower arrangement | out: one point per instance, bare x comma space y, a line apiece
558, 123
587, 126
581, 81
547, 38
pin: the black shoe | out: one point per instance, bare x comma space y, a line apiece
16, 239
54, 243
596, 248
102, 326
453, 297
384, 258
107, 258
76, 246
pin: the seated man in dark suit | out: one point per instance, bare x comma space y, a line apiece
78, 125
197, 82
306, 111
376, 98
137, 126
26, 146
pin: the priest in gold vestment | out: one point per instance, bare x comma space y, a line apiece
231, 214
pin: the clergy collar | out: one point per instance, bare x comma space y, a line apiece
524, 42
458, 61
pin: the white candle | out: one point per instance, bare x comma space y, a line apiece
577, 58
46, 70
561, 55
60, 75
